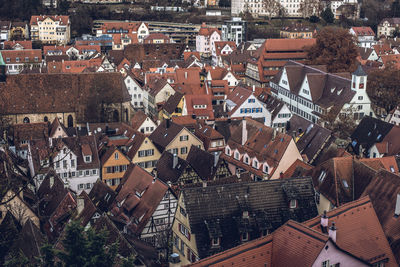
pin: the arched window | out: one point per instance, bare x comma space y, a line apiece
45, 119
26, 120
70, 121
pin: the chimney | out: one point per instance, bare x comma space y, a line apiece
254, 88
51, 182
274, 135
397, 209
244, 131
174, 161
216, 158
80, 201
332, 232
185, 74
50, 142
324, 222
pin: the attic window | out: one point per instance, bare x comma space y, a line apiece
245, 214
237, 155
244, 237
88, 159
391, 168
339, 91
322, 176
378, 137
215, 241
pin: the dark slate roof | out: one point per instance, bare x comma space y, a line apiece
217, 210
313, 138
203, 163
341, 180
30, 241
162, 135
360, 71
102, 195
172, 102
226, 127
367, 132
274, 105
165, 170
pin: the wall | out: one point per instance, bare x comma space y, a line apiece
192, 140
335, 256
147, 144
39, 117
122, 160
289, 157
324, 204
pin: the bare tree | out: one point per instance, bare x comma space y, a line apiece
274, 9
309, 8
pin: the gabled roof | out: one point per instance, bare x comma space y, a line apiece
136, 142
369, 132
388, 163
297, 169
203, 163
358, 231
363, 31
238, 96
63, 20
207, 31
341, 180
11, 44
165, 133
200, 100
165, 170
266, 201
138, 196
28, 56
137, 120
102, 195
172, 102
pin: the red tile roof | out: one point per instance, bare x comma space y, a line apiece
358, 231
10, 44
22, 56
388, 163
192, 100
221, 45
363, 31
297, 167
64, 20
207, 31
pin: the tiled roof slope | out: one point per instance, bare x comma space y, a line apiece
43, 93
383, 191
267, 203
165, 133
358, 231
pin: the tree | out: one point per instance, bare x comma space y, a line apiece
327, 15
383, 88
273, 8
314, 19
335, 47
86, 248
343, 125
309, 8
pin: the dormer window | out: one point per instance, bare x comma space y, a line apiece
116, 155
293, 204
255, 164
246, 160
215, 241
228, 151
245, 214
237, 155
244, 237
265, 169
88, 159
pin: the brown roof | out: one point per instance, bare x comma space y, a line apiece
64, 20
10, 44
363, 31
388, 163
30, 131
192, 100
138, 119
162, 135
207, 31
359, 231
288, 44
298, 168
239, 95
22, 56
172, 102
138, 195
63, 93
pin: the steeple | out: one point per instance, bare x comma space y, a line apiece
359, 79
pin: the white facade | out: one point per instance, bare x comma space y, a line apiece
394, 117
148, 126
51, 31
282, 118
205, 43
257, 8
155, 231
364, 40
234, 30
216, 59
251, 107
136, 92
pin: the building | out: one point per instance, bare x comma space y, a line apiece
174, 138
136, 91
365, 36
215, 218
143, 152
51, 29
19, 31
142, 123
18, 60
221, 48
242, 102
273, 55
387, 26
114, 164
374, 138
50, 3
5, 30
262, 151
394, 116
234, 30
157, 38
111, 28
73, 98
311, 92
199, 106
297, 31
206, 38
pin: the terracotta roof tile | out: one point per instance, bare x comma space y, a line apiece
64, 20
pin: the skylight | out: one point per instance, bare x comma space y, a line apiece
346, 185
322, 176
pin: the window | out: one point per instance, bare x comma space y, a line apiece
184, 231
360, 107
183, 211
17, 59
325, 263
72, 163
88, 158
251, 100
87, 172
57, 164
317, 197
215, 242
64, 164
94, 171
360, 98
116, 155
183, 150
255, 164
184, 138
293, 204
265, 169
237, 155
244, 237
246, 160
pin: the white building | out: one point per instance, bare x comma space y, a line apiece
242, 103
310, 92
234, 30
387, 26
394, 116
365, 36
51, 29
135, 89
4, 30
206, 38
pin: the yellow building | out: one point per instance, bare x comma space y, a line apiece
51, 29
173, 106
113, 166
175, 139
143, 152
297, 32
